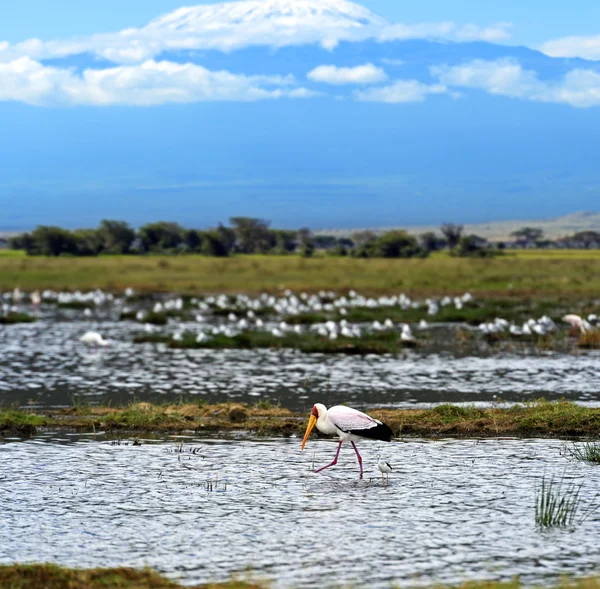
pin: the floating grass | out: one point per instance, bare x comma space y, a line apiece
14, 318
388, 342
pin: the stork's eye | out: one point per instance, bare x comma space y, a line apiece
315, 412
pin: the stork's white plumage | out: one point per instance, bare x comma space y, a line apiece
349, 424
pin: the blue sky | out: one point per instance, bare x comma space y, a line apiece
373, 114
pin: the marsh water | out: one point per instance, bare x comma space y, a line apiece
202, 510
43, 364
454, 510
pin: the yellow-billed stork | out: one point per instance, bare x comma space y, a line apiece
350, 425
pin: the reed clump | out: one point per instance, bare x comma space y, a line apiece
585, 452
557, 503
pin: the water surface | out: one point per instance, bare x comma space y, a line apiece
454, 510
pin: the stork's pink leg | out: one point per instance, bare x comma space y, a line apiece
359, 459
334, 460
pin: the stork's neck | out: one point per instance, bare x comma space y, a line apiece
324, 424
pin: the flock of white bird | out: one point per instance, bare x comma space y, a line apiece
245, 311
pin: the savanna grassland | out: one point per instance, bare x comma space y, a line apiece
566, 274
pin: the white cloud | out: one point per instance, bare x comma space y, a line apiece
584, 47
361, 74
150, 83
401, 91
579, 87
232, 25
394, 62
446, 31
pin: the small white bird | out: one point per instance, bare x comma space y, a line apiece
385, 468
93, 338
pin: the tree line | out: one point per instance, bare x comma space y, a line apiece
246, 235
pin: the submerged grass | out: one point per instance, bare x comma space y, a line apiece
535, 419
514, 276
45, 576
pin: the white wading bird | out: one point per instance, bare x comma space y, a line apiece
385, 468
93, 338
349, 424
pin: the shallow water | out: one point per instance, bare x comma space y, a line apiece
454, 510
44, 365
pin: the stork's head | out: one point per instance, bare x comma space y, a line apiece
318, 410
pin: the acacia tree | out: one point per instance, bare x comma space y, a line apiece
528, 234
588, 238
252, 235
116, 237
452, 233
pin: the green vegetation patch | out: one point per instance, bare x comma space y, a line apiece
45, 576
560, 419
21, 423
387, 342
534, 275
13, 318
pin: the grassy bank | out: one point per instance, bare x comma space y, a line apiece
48, 576
44, 576
559, 275
535, 419
310, 343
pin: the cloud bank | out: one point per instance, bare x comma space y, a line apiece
584, 47
361, 74
147, 84
579, 87
235, 25
138, 74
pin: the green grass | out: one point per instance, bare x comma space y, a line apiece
586, 452
535, 419
49, 576
472, 313
557, 503
21, 422
387, 342
13, 318
530, 274
12, 253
